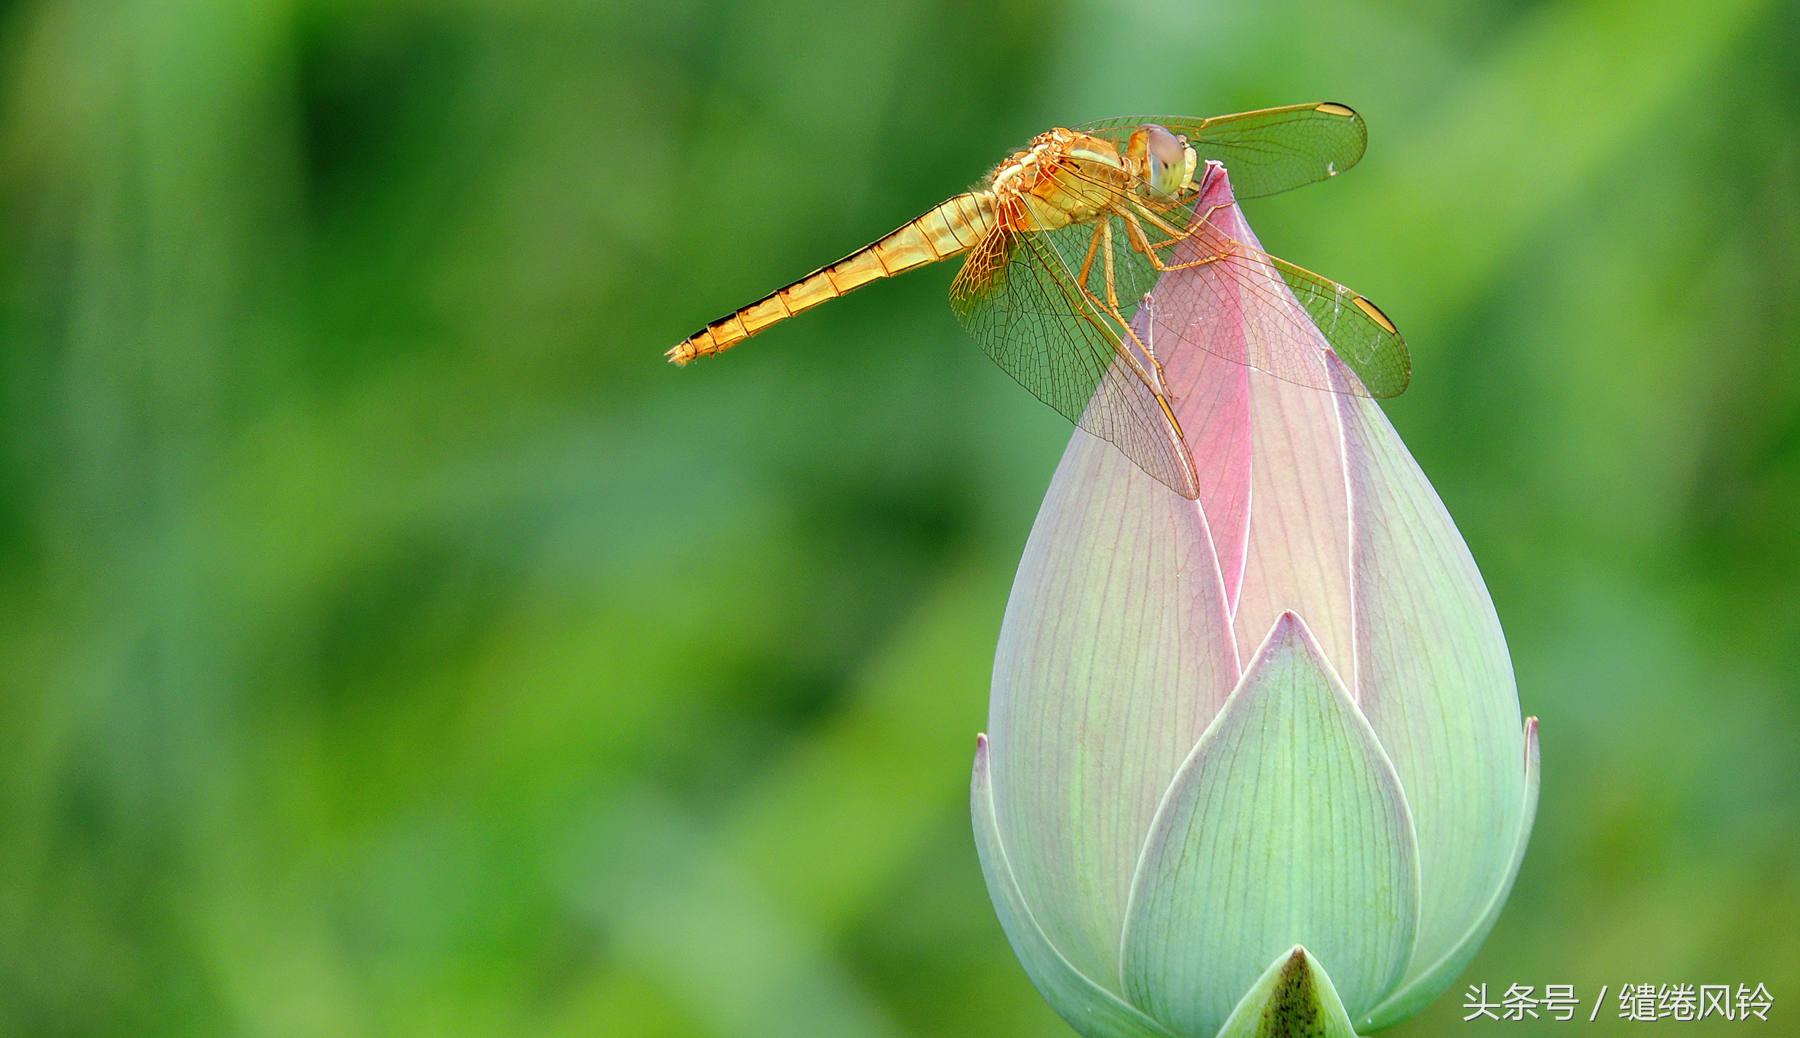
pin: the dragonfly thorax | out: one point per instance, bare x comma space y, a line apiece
1064, 177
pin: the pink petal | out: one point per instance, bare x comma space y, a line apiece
1210, 390
1267, 451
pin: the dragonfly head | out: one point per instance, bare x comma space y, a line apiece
1163, 161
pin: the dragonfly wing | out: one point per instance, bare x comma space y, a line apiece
1018, 297
1237, 302
1359, 333
1267, 151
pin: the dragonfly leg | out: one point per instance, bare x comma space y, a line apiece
1141, 241
1175, 234
1159, 388
1112, 294
1112, 309
1102, 243
1156, 387
1194, 226
1156, 384
1109, 305
1087, 265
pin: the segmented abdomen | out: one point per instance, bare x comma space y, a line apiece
948, 230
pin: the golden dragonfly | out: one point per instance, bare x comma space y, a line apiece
1064, 240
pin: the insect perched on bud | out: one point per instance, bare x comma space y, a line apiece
1060, 239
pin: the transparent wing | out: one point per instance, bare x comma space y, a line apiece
1238, 302
1018, 297
1267, 151
1359, 333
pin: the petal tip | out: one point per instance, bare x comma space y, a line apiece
1294, 996
1284, 632
1289, 634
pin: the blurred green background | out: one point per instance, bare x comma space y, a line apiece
393, 644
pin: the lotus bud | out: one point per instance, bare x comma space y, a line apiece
1254, 762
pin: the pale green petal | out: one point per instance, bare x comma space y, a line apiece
1419, 990
1114, 655
1433, 678
1286, 826
1294, 999
1088, 1008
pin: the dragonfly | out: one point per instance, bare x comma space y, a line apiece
1062, 242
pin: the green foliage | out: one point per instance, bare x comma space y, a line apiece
394, 644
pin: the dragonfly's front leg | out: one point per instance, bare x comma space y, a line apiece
1141, 241
1176, 235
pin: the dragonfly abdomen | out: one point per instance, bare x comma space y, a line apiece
948, 230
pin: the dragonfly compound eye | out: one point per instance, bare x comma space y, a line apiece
1166, 164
